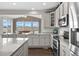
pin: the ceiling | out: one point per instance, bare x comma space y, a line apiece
27, 5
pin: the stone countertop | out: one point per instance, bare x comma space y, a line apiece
9, 45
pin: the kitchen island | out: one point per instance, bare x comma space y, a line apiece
13, 46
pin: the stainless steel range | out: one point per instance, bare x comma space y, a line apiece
56, 46
56, 42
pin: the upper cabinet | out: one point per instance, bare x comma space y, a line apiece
46, 19
52, 18
66, 8
57, 15
62, 10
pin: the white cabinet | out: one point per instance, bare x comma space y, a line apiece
46, 20
52, 19
22, 51
25, 49
64, 51
51, 42
61, 10
66, 8
47, 40
30, 41
39, 40
42, 41
35, 40
57, 17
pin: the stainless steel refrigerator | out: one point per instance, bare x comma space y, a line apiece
74, 28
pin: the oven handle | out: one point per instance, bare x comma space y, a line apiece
56, 41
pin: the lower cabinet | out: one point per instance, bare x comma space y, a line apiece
51, 41
22, 51
39, 40
64, 51
25, 49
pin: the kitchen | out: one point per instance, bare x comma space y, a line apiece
34, 29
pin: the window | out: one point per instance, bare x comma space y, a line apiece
19, 24
6, 26
6, 23
27, 26
35, 24
35, 27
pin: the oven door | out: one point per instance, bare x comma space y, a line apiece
75, 37
74, 50
56, 47
55, 43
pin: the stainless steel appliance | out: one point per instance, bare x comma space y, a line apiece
74, 48
56, 42
75, 36
74, 28
74, 15
63, 21
56, 46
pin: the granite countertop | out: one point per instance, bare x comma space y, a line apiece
9, 45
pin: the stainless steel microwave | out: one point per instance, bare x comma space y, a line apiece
63, 21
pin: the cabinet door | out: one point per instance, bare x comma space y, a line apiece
67, 52
51, 41
46, 22
42, 40
36, 40
25, 49
57, 17
60, 7
64, 51
61, 50
47, 41
30, 42
66, 8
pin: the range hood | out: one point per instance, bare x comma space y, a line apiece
74, 15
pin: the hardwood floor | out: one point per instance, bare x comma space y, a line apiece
39, 52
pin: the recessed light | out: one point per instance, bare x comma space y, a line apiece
33, 8
44, 4
14, 4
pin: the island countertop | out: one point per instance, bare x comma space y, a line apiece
9, 45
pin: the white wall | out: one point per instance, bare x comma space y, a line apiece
1, 26
45, 21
